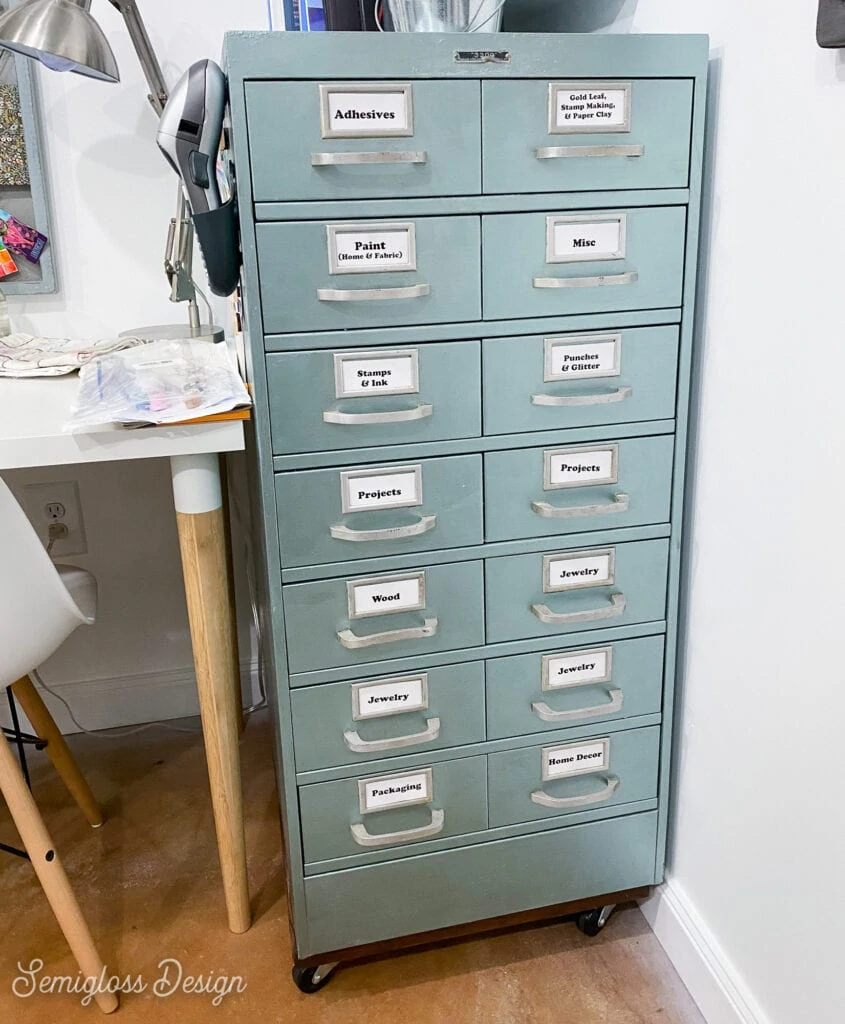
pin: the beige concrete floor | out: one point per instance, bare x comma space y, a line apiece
148, 882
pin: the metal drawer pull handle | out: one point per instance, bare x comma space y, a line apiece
612, 611
586, 282
611, 784
422, 525
557, 152
363, 838
619, 395
380, 157
419, 412
352, 642
359, 746
545, 713
620, 503
414, 291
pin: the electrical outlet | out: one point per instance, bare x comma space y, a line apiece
58, 502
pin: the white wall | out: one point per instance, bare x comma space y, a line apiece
759, 834
112, 198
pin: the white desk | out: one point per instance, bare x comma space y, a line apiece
32, 416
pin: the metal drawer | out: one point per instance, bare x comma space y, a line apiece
575, 589
338, 622
570, 687
354, 398
532, 492
591, 772
347, 723
393, 811
582, 261
579, 380
313, 276
333, 515
426, 143
487, 880
586, 135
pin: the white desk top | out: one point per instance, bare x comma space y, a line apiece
34, 411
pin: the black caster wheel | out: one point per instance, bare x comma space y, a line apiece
311, 979
591, 922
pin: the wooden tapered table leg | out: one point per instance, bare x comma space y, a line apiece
208, 588
57, 749
50, 872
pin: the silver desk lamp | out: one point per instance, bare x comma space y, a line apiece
64, 36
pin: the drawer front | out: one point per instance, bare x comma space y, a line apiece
347, 723
522, 600
393, 811
314, 278
427, 144
531, 492
332, 515
583, 774
533, 263
348, 908
570, 687
538, 383
576, 135
354, 398
331, 623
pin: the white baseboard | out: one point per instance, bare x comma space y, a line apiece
129, 700
712, 980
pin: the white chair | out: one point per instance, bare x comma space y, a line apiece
40, 606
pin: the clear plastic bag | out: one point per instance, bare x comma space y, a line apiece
159, 382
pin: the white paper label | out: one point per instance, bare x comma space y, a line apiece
375, 700
396, 791
587, 240
568, 361
385, 490
585, 467
575, 759
377, 376
371, 252
385, 598
579, 571
368, 113
576, 669
583, 108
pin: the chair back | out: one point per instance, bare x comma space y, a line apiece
37, 613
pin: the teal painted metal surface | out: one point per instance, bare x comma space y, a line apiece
456, 803
525, 498
653, 152
580, 682
430, 503
305, 400
628, 772
447, 258
632, 379
649, 275
366, 720
487, 588
477, 882
445, 148
517, 594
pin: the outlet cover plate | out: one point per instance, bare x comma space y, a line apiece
66, 492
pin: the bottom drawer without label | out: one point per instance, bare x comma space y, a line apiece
420, 894
402, 809
560, 778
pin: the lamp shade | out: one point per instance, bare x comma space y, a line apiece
62, 34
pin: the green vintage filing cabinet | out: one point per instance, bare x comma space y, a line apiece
469, 275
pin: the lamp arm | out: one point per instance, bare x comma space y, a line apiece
146, 54
180, 240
